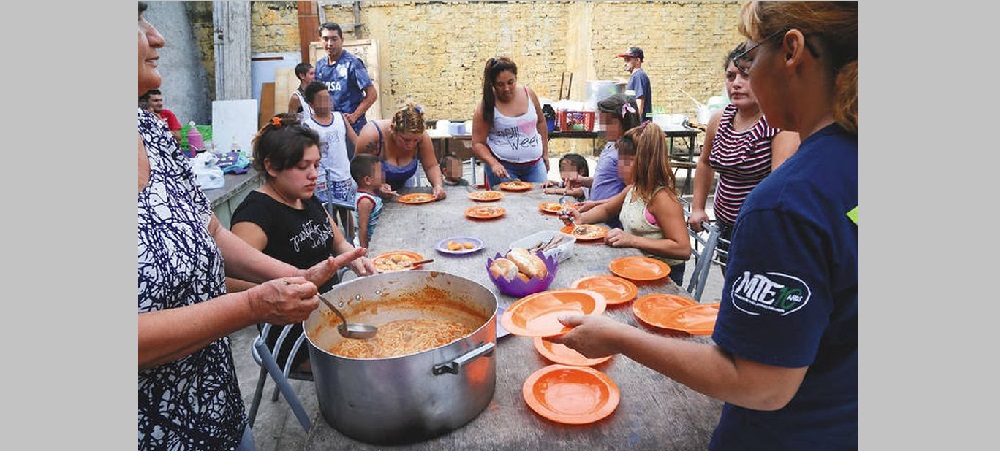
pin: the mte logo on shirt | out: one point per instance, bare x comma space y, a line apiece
773, 292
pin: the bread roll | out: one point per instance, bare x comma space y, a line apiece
504, 268
528, 263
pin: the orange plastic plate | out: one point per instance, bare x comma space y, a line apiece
485, 196
695, 320
565, 355
639, 268
571, 394
614, 289
653, 308
516, 186
585, 232
550, 207
537, 315
382, 260
484, 212
416, 198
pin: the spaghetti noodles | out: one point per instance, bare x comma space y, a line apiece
402, 337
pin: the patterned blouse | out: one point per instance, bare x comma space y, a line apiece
742, 160
193, 402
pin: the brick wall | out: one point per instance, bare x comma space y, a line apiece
434, 52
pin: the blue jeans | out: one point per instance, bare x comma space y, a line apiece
534, 173
677, 273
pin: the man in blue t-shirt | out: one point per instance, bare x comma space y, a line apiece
638, 82
351, 90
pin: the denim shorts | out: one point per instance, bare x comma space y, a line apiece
341, 193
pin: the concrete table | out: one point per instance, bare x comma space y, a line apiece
654, 412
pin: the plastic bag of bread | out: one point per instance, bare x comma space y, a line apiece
528, 263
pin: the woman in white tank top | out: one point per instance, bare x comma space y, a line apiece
509, 133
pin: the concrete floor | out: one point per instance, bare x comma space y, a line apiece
276, 427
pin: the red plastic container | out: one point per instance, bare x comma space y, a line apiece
575, 121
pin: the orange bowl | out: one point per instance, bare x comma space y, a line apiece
537, 315
571, 394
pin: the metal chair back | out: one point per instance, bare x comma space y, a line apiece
264, 357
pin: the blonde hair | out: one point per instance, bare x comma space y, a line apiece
409, 119
652, 160
835, 24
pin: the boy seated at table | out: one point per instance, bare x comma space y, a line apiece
366, 169
452, 169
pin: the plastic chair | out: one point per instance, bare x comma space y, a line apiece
269, 366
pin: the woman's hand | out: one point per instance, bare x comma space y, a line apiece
696, 218
587, 205
283, 301
592, 336
499, 170
319, 273
618, 238
363, 266
569, 216
439, 193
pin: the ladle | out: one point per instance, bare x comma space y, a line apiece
352, 330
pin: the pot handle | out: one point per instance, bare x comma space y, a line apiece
454, 365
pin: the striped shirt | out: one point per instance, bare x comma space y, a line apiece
742, 160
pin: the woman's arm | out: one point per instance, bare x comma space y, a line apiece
783, 145
362, 266
609, 208
480, 130
169, 334
704, 175
542, 126
676, 243
425, 150
256, 238
367, 140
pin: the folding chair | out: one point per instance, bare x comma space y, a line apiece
269, 366
703, 250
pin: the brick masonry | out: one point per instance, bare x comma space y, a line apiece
433, 52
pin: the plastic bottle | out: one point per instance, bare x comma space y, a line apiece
194, 140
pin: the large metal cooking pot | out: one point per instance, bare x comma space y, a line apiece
412, 397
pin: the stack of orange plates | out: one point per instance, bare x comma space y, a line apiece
571, 394
615, 289
653, 309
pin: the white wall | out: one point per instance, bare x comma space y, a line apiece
185, 82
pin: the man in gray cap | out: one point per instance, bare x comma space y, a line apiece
638, 82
